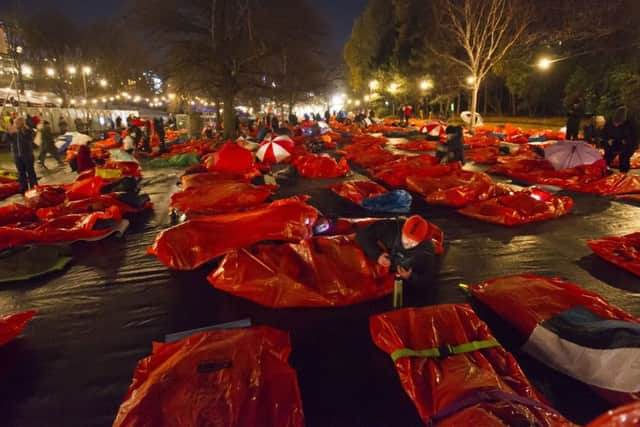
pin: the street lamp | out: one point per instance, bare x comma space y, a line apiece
393, 87
72, 70
367, 98
471, 80
104, 83
544, 63
374, 84
50, 72
26, 69
426, 85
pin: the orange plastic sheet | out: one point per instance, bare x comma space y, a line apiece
94, 204
395, 173
476, 388
315, 166
231, 378
526, 206
317, 272
208, 178
8, 189
457, 190
220, 197
625, 416
527, 300
231, 158
615, 184
200, 240
481, 140
43, 196
417, 145
12, 325
66, 228
15, 213
588, 178
369, 155
357, 191
623, 251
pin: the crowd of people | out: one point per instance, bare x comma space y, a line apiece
617, 136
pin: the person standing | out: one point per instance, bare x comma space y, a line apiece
158, 126
573, 121
63, 126
327, 116
20, 139
620, 139
118, 123
407, 114
47, 145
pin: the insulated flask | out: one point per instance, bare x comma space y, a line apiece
397, 292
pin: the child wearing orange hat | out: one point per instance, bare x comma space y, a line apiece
403, 246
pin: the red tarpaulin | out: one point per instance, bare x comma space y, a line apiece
622, 251
587, 178
231, 159
44, 196
14, 213
208, 178
417, 145
314, 166
197, 241
618, 183
456, 190
220, 197
12, 325
526, 206
470, 386
94, 204
67, 228
395, 173
8, 189
357, 191
317, 272
231, 378
526, 301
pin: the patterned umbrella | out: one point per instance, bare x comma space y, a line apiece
435, 128
569, 154
275, 150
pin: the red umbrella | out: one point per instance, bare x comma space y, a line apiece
275, 150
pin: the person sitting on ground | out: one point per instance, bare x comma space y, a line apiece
620, 139
453, 151
47, 145
401, 245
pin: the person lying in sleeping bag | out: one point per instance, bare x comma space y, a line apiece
400, 245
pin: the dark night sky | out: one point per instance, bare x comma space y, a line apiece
339, 13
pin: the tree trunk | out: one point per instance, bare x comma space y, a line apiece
218, 117
458, 103
514, 108
229, 115
474, 104
485, 97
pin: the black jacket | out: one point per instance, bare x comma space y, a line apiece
21, 143
621, 138
386, 236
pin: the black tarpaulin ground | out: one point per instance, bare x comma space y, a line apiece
75, 360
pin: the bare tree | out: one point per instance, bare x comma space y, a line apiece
483, 33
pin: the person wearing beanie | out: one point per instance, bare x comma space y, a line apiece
403, 246
620, 139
